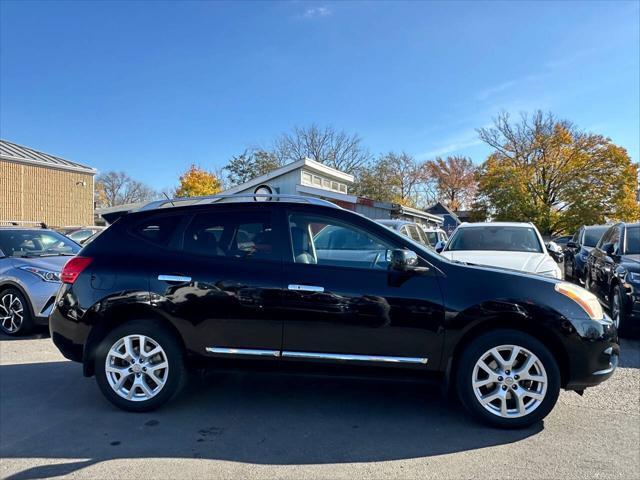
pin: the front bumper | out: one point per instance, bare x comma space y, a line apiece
593, 358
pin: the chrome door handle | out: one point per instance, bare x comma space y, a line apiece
306, 288
174, 278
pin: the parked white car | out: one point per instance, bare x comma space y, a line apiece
512, 245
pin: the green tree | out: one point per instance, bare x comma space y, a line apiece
196, 182
549, 172
394, 177
249, 165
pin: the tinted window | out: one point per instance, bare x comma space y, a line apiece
326, 241
632, 241
509, 239
226, 234
158, 230
432, 238
593, 235
35, 243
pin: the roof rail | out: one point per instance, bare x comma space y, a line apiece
17, 223
235, 198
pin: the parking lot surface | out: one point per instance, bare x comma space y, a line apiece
55, 423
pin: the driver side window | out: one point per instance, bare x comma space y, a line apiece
326, 241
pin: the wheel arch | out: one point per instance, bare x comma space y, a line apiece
106, 321
11, 284
539, 331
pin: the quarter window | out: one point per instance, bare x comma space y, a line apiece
223, 234
158, 230
327, 241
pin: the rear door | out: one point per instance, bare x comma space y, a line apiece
224, 284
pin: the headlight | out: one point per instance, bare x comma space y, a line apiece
582, 297
46, 275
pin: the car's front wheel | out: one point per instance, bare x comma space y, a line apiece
139, 366
508, 379
617, 309
15, 316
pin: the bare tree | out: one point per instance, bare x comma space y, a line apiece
336, 149
118, 188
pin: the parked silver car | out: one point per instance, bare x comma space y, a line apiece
30, 263
426, 235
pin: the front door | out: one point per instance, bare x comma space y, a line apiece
342, 303
224, 283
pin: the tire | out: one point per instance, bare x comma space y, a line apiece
122, 345
15, 313
566, 275
618, 315
508, 383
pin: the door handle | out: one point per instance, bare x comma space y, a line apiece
306, 288
174, 278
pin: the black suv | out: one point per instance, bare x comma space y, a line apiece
303, 284
613, 273
577, 250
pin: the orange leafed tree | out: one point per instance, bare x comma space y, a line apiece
196, 182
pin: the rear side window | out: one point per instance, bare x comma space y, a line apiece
230, 235
158, 230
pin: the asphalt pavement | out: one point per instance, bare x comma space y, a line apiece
55, 423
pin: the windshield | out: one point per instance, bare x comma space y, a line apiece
592, 235
508, 239
633, 241
35, 243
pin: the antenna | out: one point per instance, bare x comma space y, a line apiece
167, 197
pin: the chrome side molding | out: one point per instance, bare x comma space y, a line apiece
174, 278
342, 357
306, 288
243, 351
347, 357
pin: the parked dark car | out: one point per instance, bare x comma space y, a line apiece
613, 273
577, 250
224, 283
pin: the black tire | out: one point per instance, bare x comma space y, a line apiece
566, 275
622, 321
472, 354
176, 373
13, 302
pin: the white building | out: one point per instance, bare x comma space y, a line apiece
310, 178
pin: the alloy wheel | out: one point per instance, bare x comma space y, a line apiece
11, 313
509, 381
137, 367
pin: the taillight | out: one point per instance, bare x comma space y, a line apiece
73, 268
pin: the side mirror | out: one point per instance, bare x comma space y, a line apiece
403, 260
440, 246
555, 251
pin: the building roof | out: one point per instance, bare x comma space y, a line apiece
307, 163
18, 153
442, 209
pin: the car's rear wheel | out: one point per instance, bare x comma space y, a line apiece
15, 316
140, 366
508, 379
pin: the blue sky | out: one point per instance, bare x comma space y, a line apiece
151, 87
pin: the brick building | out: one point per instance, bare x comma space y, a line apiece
36, 186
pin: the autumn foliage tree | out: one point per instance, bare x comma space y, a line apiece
454, 179
197, 182
549, 172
